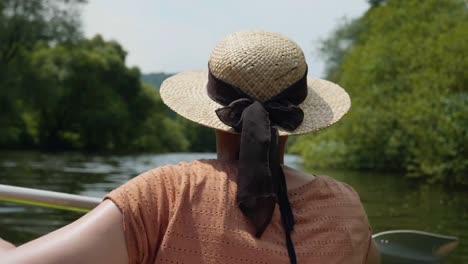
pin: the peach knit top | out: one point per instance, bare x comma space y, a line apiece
187, 213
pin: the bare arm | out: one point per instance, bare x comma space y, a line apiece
5, 245
97, 237
373, 256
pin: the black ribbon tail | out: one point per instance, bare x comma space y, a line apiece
261, 180
287, 216
255, 194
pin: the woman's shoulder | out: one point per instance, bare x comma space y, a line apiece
338, 187
187, 168
192, 172
194, 165
325, 191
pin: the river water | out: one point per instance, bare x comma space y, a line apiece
391, 201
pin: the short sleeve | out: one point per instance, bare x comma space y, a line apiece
145, 207
358, 226
362, 230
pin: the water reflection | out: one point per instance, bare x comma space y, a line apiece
390, 201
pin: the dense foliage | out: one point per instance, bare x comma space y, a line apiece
404, 65
23, 25
60, 91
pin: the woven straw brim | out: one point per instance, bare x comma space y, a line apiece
186, 94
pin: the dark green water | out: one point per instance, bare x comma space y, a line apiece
390, 201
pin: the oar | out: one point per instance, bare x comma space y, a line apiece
65, 201
397, 246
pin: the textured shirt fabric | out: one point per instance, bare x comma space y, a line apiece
187, 213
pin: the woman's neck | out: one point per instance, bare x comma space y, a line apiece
227, 146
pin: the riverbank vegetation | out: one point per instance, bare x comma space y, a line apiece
61, 91
404, 64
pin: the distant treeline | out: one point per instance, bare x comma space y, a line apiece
404, 63
155, 79
61, 91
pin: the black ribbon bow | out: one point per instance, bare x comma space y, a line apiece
261, 181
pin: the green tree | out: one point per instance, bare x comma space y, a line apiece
24, 24
61, 91
405, 72
158, 131
376, 2
82, 94
200, 138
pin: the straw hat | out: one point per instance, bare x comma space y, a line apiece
262, 64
